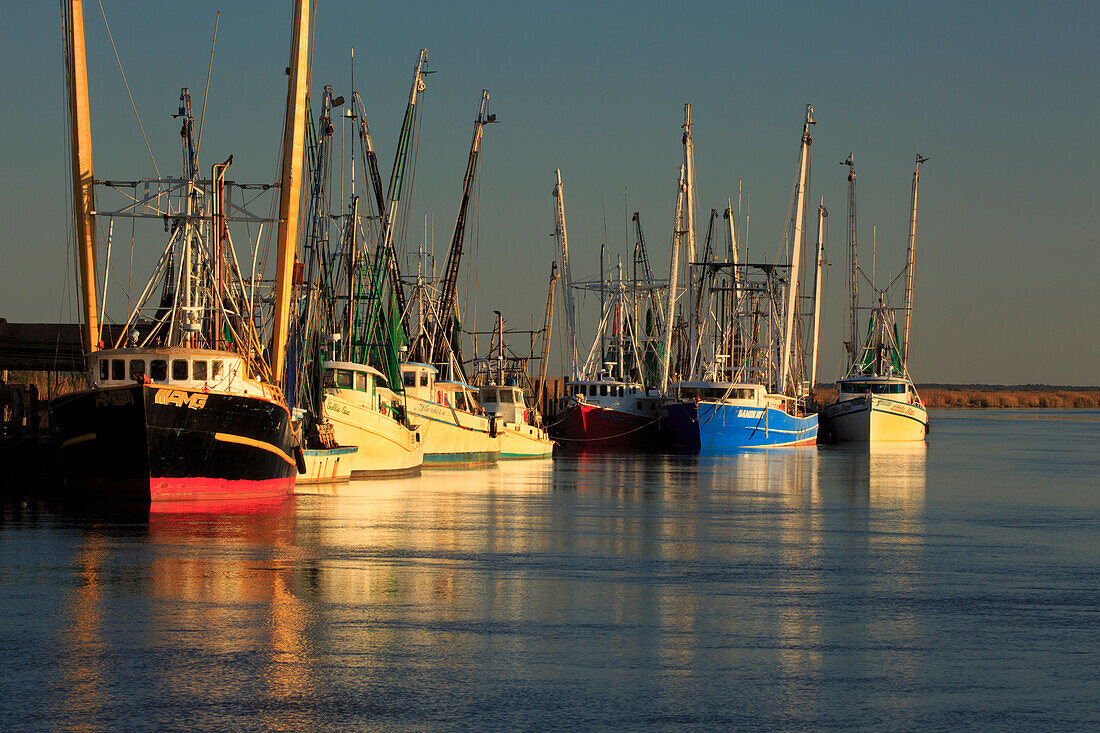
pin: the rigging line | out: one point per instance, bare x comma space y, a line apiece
127, 85
209, 69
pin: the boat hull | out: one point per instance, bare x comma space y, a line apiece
326, 466
872, 419
453, 438
586, 427
149, 442
519, 441
386, 447
709, 427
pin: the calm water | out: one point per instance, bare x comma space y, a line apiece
954, 585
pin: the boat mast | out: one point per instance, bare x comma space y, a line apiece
448, 288
689, 228
290, 184
80, 131
567, 283
735, 282
547, 329
397, 178
853, 266
821, 215
909, 263
673, 272
796, 246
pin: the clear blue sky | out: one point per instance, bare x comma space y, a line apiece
1002, 96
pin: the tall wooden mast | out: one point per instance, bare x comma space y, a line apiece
820, 263
290, 184
909, 264
802, 192
674, 263
853, 266
689, 230
567, 282
83, 178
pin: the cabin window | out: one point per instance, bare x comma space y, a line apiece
488, 394
198, 370
410, 379
620, 390
603, 390
424, 379
343, 378
158, 370
460, 401
179, 369
118, 369
137, 368
361, 381
216, 368
104, 368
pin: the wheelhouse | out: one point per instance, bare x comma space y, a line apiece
504, 401
890, 388
458, 395
218, 371
731, 393
419, 380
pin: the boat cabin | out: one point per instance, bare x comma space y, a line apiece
457, 395
419, 380
613, 394
504, 402
896, 389
362, 385
728, 393
203, 369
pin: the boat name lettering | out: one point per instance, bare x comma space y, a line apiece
749, 414
179, 398
118, 397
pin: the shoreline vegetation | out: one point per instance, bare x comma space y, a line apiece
995, 396
935, 396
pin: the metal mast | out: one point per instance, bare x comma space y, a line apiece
642, 258
796, 246
567, 283
397, 178
853, 265
80, 132
673, 272
290, 184
821, 215
449, 286
909, 263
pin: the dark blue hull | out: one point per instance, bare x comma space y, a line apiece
710, 427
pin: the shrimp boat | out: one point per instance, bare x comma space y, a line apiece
344, 367
455, 428
745, 350
506, 393
877, 400
184, 406
606, 403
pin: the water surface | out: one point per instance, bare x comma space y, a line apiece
935, 587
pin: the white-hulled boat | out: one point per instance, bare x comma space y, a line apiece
877, 401
874, 409
366, 414
453, 427
519, 436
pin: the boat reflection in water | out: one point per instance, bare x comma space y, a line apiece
419, 600
203, 594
